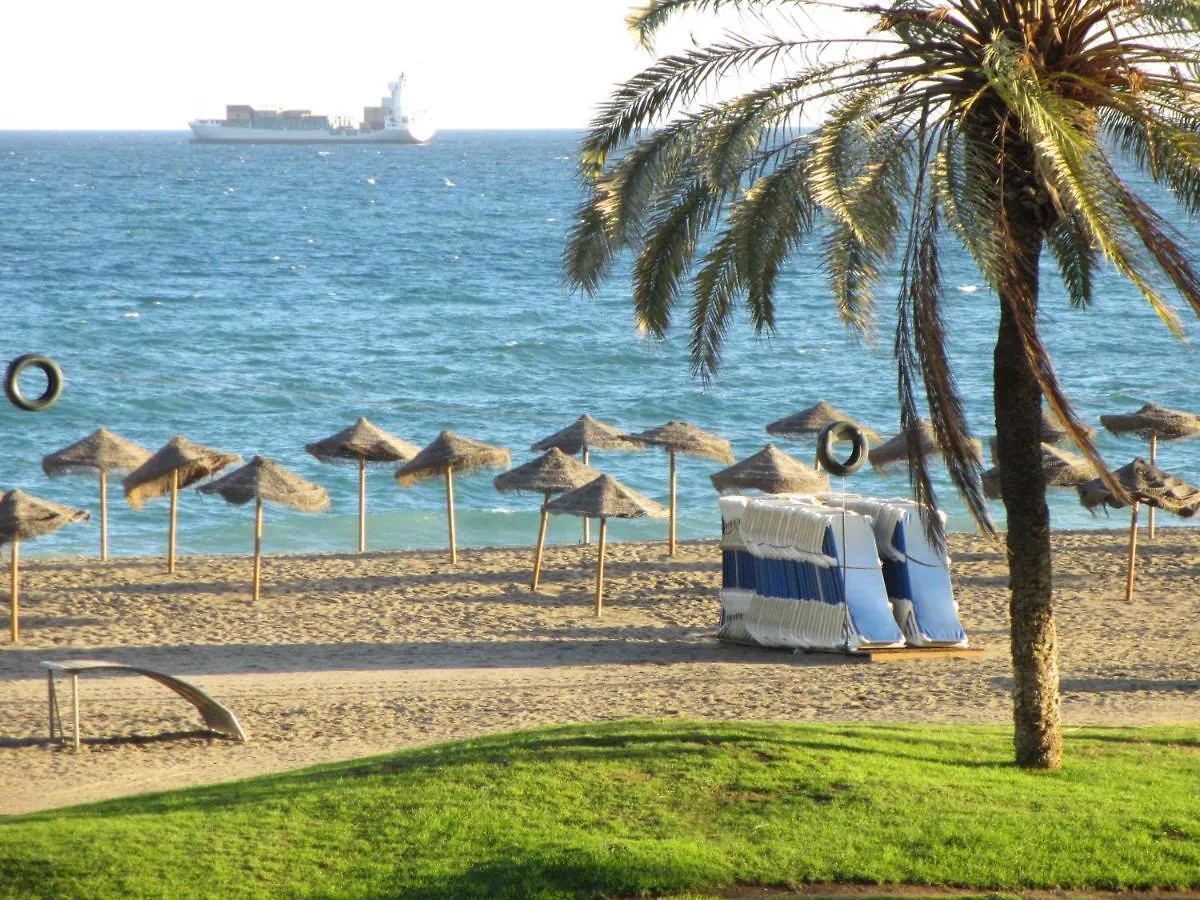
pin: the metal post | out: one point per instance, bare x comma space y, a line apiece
51, 700
75, 705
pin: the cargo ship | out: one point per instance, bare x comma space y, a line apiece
387, 123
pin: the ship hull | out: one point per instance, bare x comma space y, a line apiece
219, 133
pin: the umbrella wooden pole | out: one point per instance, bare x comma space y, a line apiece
362, 504
1153, 455
171, 526
587, 523
258, 520
103, 515
671, 526
450, 514
600, 570
1132, 554
541, 543
14, 594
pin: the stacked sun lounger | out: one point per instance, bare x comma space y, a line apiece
917, 575
802, 575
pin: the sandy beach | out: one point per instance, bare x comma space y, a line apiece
349, 655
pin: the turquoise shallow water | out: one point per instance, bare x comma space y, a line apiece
259, 298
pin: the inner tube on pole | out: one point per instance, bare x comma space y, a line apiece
832, 434
12, 382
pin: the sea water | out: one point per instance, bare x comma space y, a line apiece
258, 298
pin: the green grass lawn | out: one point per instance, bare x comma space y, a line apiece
655, 807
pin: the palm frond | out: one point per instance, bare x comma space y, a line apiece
1076, 258
716, 286
590, 250
667, 253
646, 21
670, 83
1072, 165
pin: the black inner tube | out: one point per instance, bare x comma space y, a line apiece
12, 382
832, 434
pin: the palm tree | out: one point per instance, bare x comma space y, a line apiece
998, 120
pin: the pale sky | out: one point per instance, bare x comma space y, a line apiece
153, 65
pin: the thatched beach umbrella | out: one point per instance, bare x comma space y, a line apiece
103, 452
179, 464
604, 498
447, 454
583, 435
23, 518
681, 437
771, 471
1062, 469
812, 420
896, 450
1153, 423
363, 443
1144, 483
263, 479
1052, 433
554, 472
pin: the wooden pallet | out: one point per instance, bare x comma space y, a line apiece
888, 654
892, 653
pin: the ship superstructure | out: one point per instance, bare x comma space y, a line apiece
388, 123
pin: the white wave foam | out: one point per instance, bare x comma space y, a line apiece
132, 315
968, 288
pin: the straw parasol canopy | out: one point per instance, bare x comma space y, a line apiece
362, 443
554, 472
179, 464
263, 479
100, 452
771, 471
896, 450
816, 417
681, 437
604, 498
23, 518
1053, 431
551, 473
584, 435
1144, 483
1062, 469
446, 454
1154, 423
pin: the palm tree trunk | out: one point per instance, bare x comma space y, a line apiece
1018, 402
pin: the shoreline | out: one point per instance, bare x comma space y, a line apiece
348, 655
